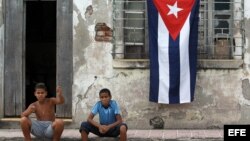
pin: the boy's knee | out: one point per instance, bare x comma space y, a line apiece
84, 127
123, 128
84, 124
24, 120
58, 123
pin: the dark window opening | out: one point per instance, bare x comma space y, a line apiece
222, 4
40, 48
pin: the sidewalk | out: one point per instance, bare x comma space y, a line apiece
133, 135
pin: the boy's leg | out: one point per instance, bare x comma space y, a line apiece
26, 125
119, 130
123, 132
85, 128
58, 126
84, 135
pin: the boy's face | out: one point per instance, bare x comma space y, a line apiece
40, 94
105, 98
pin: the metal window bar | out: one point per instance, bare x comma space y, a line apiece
215, 41
129, 29
221, 33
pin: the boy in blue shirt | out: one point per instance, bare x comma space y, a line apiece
110, 120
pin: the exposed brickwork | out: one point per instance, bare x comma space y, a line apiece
103, 32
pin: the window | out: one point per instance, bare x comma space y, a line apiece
221, 34
129, 29
221, 29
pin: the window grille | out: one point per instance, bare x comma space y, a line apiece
221, 29
129, 26
221, 33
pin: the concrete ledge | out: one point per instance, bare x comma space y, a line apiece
201, 63
133, 135
219, 64
108, 139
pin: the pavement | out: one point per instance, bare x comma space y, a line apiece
133, 135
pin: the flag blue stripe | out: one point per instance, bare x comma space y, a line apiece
194, 18
153, 50
174, 69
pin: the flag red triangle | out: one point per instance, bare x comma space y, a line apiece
174, 23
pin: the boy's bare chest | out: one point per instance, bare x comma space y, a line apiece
44, 110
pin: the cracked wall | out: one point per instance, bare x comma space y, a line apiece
1, 54
222, 96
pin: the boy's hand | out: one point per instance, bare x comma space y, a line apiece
59, 96
103, 129
58, 90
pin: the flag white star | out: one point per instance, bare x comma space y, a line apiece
174, 9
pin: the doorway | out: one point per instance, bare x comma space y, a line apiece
40, 47
33, 53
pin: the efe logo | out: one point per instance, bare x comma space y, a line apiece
236, 132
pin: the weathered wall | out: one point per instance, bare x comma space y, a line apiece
1, 56
222, 96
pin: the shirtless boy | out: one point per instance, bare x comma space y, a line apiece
46, 125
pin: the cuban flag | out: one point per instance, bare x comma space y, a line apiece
173, 38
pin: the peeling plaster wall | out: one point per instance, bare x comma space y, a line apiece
247, 48
222, 96
92, 60
1, 56
246, 76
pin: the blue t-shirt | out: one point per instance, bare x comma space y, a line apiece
106, 115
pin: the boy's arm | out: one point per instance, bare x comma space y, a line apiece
118, 121
117, 116
59, 97
105, 128
28, 111
91, 120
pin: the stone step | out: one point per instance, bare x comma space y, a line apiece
78, 139
110, 139
133, 135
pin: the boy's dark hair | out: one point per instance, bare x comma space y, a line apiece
105, 90
41, 86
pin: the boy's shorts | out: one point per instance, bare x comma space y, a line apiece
42, 129
114, 132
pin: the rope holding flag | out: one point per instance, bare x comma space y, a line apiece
173, 39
